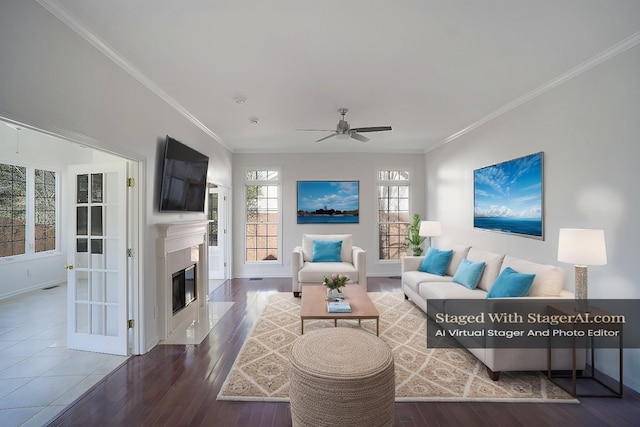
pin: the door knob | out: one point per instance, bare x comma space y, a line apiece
69, 266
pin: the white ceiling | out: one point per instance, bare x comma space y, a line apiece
429, 68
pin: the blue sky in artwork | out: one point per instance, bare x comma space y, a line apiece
339, 195
511, 189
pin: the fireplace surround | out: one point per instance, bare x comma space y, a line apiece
181, 249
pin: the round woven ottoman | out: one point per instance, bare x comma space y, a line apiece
341, 377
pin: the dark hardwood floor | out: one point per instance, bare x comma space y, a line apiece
177, 385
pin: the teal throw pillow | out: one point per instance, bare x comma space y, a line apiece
468, 273
327, 251
510, 283
436, 261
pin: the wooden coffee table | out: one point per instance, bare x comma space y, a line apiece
314, 305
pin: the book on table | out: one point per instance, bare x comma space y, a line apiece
338, 307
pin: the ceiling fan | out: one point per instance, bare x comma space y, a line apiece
343, 131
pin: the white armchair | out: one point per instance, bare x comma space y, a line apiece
307, 272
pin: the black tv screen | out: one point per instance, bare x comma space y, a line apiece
184, 178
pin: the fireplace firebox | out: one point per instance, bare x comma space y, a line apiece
184, 288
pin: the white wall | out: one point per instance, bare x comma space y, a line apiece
300, 167
51, 77
588, 129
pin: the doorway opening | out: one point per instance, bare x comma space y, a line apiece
218, 235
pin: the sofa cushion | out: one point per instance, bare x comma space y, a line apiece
492, 265
510, 283
549, 281
468, 273
459, 253
414, 278
436, 261
326, 251
314, 272
345, 253
436, 293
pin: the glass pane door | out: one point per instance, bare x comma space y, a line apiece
97, 303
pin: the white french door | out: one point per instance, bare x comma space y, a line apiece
97, 261
217, 231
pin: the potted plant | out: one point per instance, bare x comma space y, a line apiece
334, 283
414, 239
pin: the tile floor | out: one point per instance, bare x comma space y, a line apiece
39, 376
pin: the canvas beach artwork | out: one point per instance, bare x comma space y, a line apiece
508, 197
332, 202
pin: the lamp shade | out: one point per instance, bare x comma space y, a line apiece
429, 228
581, 246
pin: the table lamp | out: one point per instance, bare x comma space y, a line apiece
429, 229
581, 247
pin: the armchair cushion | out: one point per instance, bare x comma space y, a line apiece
327, 251
345, 251
314, 272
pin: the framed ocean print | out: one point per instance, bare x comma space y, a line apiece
334, 202
508, 197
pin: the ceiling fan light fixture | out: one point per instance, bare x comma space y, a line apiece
344, 131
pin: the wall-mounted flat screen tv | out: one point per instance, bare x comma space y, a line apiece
184, 178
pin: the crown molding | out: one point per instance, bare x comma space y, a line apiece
70, 21
598, 59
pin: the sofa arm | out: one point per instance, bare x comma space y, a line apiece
297, 261
411, 263
360, 263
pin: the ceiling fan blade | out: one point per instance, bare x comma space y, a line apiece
359, 137
318, 130
372, 129
327, 137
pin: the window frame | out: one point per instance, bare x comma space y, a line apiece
30, 220
387, 183
273, 182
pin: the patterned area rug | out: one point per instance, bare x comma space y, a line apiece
261, 370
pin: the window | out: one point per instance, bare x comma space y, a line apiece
27, 224
13, 210
45, 210
262, 206
393, 213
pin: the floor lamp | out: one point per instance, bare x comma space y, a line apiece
581, 247
429, 229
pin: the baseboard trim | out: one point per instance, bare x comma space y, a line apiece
37, 287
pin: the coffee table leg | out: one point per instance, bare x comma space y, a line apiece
335, 323
378, 327
301, 326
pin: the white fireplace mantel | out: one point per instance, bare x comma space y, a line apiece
182, 235
173, 238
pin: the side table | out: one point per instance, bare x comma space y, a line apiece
594, 314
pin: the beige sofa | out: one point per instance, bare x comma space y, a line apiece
421, 287
305, 272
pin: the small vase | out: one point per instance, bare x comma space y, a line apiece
333, 293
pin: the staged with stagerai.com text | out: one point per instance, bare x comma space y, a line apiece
530, 318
